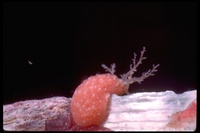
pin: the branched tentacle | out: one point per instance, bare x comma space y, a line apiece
110, 70
127, 77
133, 67
145, 75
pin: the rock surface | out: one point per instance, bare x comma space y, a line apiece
153, 111
136, 112
50, 114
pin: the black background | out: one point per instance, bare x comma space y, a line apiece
68, 42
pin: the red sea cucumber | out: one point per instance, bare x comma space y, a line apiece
90, 101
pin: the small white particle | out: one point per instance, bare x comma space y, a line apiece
90, 87
30, 63
92, 84
87, 101
93, 107
85, 91
77, 104
101, 80
93, 94
99, 89
95, 86
117, 84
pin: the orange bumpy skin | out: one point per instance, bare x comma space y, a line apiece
91, 99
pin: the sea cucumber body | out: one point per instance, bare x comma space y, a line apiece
90, 102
